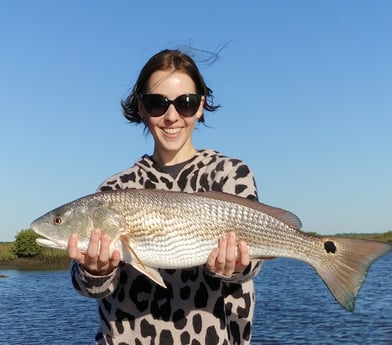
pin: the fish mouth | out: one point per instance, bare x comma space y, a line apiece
44, 242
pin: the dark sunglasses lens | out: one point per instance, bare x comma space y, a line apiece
187, 105
155, 105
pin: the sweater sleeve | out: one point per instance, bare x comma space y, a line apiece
240, 277
93, 286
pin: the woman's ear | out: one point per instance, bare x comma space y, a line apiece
199, 114
140, 110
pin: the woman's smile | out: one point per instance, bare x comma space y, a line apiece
172, 132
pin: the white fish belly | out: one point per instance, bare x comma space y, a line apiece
173, 252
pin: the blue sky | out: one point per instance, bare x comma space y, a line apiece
305, 89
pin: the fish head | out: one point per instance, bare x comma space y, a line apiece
81, 216
57, 225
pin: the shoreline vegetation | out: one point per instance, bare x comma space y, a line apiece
52, 259
48, 259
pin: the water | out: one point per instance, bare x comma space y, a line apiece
293, 307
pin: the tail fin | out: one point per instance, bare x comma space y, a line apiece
345, 266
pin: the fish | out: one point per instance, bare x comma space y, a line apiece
156, 229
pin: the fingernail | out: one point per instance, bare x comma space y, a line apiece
243, 244
73, 239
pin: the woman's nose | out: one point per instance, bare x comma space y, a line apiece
171, 114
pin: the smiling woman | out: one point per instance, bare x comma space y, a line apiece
211, 303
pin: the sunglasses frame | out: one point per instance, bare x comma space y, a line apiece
177, 102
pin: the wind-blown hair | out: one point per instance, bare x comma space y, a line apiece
172, 60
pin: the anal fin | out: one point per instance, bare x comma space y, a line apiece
150, 272
136, 263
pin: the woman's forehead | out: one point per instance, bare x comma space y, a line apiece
164, 81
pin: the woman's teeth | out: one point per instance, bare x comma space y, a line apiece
171, 130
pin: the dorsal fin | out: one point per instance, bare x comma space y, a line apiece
284, 216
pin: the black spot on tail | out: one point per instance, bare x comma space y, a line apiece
330, 247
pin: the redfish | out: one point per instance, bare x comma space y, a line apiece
159, 229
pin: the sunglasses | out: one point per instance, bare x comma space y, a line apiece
156, 105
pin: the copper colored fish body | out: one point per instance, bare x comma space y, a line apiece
160, 229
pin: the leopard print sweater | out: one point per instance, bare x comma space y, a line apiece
198, 307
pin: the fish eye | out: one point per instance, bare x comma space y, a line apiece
57, 220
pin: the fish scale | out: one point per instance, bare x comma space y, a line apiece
203, 221
155, 229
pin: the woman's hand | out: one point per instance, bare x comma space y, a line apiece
228, 257
97, 259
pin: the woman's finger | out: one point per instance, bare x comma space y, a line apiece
243, 258
73, 250
220, 261
211, 260
231, 249
94, 244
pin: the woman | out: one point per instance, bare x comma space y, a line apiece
209, 304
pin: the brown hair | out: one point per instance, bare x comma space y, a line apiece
166, 60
